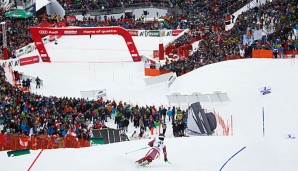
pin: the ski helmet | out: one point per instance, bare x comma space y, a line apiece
161, 137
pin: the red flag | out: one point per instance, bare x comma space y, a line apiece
71, 133
23, 142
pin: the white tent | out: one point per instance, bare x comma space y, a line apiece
41, 3
55, 8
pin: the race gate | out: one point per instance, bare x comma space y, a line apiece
39, 32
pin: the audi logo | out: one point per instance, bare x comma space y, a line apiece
43, 31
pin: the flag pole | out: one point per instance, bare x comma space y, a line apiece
263, 113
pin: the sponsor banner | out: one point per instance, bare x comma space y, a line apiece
133, 32
10, 62
45, 40
20, 52
149, 81
25, 50
29, 60
149, 33
168, 33
141, 33
29, 48
94, 94
176, 32
172, 79
77, 31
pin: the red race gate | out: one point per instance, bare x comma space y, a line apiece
37, 32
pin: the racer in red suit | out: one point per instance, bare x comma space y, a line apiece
157, 145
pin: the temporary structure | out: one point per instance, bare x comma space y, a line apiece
19, 13
200, 122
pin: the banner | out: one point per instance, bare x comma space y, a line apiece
176, 32
29, 48
172, 79
25, 50
29, 60
149, 33
168, 33
20, 52
94, 94
10, 62
149, 81
133, 32
155, 33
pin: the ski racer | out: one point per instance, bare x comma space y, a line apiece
157, 145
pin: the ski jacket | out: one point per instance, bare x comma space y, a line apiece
158, 145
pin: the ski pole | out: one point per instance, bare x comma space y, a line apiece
136, 150
170, 163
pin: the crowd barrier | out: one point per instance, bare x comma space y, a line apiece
262, 54
16, 142
234, 57
291, 53
151, 72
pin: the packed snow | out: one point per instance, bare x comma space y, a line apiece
103, 62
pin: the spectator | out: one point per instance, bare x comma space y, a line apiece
37, 80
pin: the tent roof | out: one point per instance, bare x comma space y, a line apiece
19, 13
41, 3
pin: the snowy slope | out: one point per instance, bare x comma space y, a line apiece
78, 67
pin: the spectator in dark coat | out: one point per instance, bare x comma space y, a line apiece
37, 80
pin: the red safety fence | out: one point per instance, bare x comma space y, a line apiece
16, 142
227, 128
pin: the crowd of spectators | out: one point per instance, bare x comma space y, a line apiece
18, 34
27, 113
276, 16
87, 5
